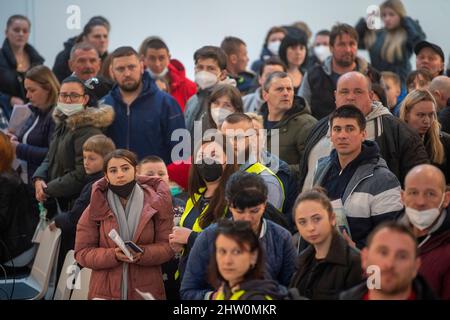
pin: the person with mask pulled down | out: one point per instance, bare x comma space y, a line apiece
206, 204
139, 208
426, 200
61, 174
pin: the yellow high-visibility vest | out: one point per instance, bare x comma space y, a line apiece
188, 208
237, 295
258, 168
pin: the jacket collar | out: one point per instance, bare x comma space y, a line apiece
298, 107
100, 117
149, 87
99, 207
35, 58
337, 254
361, 65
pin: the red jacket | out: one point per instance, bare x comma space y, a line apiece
181, 88
435, 267
94, 249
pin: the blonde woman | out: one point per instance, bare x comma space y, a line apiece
391, 47
418, 110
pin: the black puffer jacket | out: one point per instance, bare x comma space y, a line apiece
340, 270
11, 81
18, 217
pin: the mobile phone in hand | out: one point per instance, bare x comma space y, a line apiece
133, 246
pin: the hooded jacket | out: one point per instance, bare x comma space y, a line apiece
372, 194
339, 271
400, 146
146, 125
291, 132
434, 252
11, 81
62, 168
95, 250
318, 87
181, 88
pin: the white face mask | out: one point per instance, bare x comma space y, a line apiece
322, 52
274, 47
423, 219
205, 79
219, 115
156, 75
70, 109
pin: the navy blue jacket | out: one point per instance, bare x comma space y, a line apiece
280, 256
38, 141
145, 127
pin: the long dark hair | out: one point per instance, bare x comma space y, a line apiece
219, 91
217, 203
241, 232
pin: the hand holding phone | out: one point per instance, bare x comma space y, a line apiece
133, 246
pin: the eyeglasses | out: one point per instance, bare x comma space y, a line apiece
71, 96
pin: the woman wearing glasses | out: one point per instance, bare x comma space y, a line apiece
61, 174
32, 141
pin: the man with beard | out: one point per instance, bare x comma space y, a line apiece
85, 64
320, 81
392, 252
145, 116
239, 131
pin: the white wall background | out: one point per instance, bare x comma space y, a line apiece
186, 25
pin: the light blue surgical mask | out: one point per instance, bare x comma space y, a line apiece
70, 109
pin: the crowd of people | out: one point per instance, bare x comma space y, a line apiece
303, 177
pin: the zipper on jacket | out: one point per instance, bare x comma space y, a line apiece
129, 124
370, 175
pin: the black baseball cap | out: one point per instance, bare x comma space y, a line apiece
434, 47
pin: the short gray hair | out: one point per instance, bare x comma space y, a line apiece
84, 46
273, 76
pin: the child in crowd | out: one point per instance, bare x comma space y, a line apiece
154, 166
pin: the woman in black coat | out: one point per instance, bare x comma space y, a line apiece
16, 58
329, 265
18, 213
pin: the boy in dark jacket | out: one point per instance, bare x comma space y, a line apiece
94, 151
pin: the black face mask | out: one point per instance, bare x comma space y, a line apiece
210, 172
123, 191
